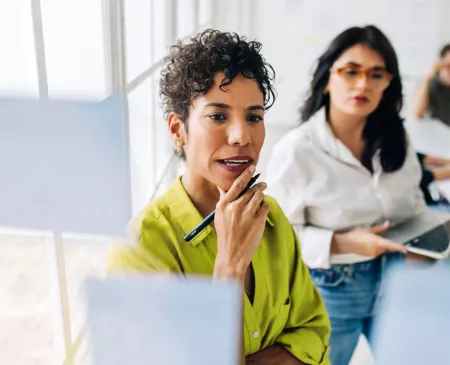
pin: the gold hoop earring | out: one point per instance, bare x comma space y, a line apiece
178, 143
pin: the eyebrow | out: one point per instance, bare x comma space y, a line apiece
377, 68
226, 106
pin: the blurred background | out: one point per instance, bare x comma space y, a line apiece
90, 49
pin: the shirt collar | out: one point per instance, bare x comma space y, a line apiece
186, 214
323, 135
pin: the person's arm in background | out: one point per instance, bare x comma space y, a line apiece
422, 100
439, 167
435, 161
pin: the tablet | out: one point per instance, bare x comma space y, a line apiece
427, 234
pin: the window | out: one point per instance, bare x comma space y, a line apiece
187, 17
74, 48
91, 49
140, 107
18, 74
138, 37
205, 12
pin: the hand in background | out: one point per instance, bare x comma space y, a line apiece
436, 68
366, 242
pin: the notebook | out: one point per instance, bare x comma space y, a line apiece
427, 234
157, 320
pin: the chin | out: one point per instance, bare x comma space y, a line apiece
361, 111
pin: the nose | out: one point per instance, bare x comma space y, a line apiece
363, 81
239, 133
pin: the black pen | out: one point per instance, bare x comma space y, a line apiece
207, 221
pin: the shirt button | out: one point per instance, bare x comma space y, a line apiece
255, 334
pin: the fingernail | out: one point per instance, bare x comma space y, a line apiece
252, 168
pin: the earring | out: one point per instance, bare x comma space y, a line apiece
178, 143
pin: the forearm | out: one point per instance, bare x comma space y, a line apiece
441, 173
421, 101
435, 161
340, 245
276, 354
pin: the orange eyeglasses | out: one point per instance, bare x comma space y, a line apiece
377, 78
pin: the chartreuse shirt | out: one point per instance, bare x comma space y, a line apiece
287, 308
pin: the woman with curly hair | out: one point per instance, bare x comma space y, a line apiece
215, 89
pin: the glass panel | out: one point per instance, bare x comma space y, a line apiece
84, 257
18, 74
137, 37
74, 46
26, 300
140, 107
185, 18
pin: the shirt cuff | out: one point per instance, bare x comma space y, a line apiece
315, 245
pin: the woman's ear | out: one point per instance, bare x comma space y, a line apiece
176, 128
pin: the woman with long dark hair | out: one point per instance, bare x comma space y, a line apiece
345, 175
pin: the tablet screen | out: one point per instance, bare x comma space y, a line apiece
436, 239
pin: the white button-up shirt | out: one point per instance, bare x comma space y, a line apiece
323, 188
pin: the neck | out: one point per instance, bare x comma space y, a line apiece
203, 194
349, 130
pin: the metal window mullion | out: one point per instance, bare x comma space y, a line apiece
196, 10
114, 45
152, 120
171, 23
39, 47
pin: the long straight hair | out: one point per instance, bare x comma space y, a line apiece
384, 130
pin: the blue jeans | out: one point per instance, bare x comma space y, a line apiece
351, 294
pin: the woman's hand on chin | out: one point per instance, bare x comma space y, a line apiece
239, 224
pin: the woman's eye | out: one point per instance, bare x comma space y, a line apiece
377, 76
217, 117
254, 118
351, 72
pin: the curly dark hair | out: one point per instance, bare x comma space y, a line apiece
384, 130
189, 69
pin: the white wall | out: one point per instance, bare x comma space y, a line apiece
295, 32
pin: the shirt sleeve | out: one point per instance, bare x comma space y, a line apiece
288, 186
412, 158
307, 330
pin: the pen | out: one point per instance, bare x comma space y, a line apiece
207, 221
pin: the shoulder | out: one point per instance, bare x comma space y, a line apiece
152, 215
153, 242
307, 137
156, 227
298, 138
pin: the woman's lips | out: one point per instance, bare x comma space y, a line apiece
235, 164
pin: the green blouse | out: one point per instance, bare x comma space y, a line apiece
287, 308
